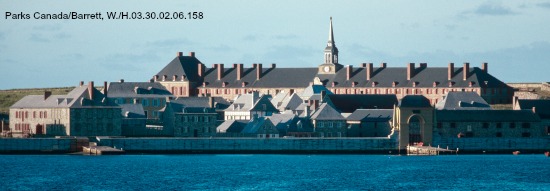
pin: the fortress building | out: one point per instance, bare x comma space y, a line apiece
187, 76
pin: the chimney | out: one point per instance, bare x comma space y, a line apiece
410, 71
178, 54
485, 67
220, 71
273, 65
369, 71
91, 89
121, 81
466, 70
363, 65
239, 71
258, 71
201, 69
349, 70
105, 88
81, 83
192, 54
211, 102
423, 65
307, 112
451, 71
383, 65
47, 94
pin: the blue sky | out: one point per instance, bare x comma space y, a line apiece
512, 36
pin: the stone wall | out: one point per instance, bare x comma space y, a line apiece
42, 145
494, 145
252, 145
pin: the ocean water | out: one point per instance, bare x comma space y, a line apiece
274, 172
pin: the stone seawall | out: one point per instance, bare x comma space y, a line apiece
41, 145
252, 145
495, 145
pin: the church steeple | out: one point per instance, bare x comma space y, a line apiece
331, 52
330, 65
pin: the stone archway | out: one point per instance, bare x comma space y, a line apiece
416, 128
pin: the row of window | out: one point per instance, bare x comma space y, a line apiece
197, 118
330, 124
22, 127
407, 91
486, 125
179, 91
145, 102
204, 129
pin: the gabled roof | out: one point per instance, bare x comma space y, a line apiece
263, 104
414, 101
244, 102
137, 90
231, 126
255, 124
132, 111
291, 103
371, 115
181, 66
314, 90
462, 101
486, 116
425, 77
347, 103
79, 97
277, 101
542, 107
326, 112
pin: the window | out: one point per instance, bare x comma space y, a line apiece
526, 134
439, 125
155, 102
485, 125
320, 124
512, 125
145, 102
45, 114
499, 125
499, 134
526, 125
339, 124
330, 124
453, 125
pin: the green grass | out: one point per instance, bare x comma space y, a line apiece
9, 97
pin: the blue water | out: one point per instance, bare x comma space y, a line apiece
274, 172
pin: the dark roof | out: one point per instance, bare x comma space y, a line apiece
314, 90
414, 101
425, 77
132, 111
78, 98
348, 103
231, 126
181, 66
137, 89
271, 77
201, 102
301, 125
542, 107
326, 112
462, 101
486, 116
264, 105
255, 124
371, 115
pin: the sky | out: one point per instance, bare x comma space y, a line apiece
512, 36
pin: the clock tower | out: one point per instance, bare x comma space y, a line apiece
331, 65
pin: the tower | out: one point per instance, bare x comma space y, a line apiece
330, 65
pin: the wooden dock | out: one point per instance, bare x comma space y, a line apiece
428, 150
102, 150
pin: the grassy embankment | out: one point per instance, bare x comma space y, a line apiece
9, 97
